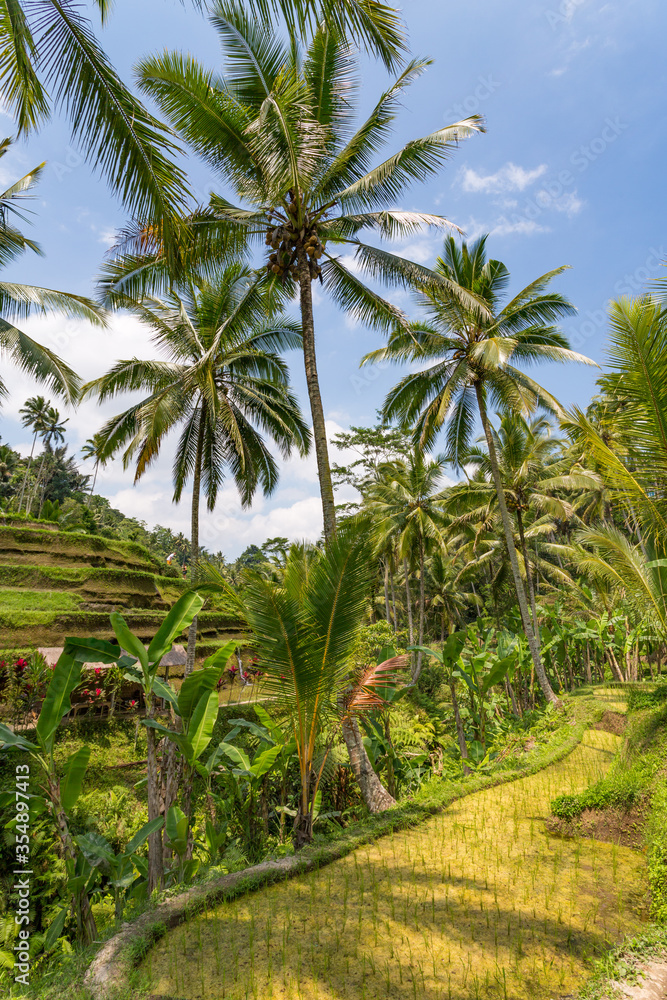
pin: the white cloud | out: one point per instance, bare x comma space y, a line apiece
569, 204
108, 237
520, 227
508, 178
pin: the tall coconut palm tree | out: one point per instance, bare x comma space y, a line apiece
32, 414
19, 301
223, 384
535, 482
406, 507
92, 448
465, 358
280, 127
52, 431
50, 58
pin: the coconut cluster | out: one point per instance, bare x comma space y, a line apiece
283, 238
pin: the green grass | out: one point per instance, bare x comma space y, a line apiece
18, 600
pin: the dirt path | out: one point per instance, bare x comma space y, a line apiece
478, 902
653, 985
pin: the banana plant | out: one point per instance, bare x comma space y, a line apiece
141, 667
61, 788
120, 868
243, 776
484, 670
196, 708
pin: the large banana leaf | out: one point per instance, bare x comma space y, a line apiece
66, 676
72, 779
179, 618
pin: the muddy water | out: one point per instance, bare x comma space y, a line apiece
479, 901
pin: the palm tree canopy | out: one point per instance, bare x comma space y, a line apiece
405, 504
631, 450
18, 301
471, 339
223, 379
49, 57
280, 125
531, 467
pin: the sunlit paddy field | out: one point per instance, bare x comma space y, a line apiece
479, 901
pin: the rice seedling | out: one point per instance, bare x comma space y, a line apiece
479, 901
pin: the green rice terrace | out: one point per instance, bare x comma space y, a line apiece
56, 583
443, 910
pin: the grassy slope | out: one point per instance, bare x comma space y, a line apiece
21, 600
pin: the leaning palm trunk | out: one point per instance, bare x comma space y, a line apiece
408, 595
529, 575
316, 408
375, 795
194, 540
38, 481
540, 672
387, 610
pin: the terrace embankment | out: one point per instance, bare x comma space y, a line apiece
57, 583
479, 901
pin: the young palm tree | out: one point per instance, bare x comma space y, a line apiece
305, 627
407, 508
632, 458
465, 361
280, 127
223, 385
32, 414
18, 301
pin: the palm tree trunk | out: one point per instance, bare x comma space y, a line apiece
529, 575
393, 597
194, 538
375, 795
92, 488
411, 632
540, 672
27, 472
34, 492
418, 669
387, 609
316, 409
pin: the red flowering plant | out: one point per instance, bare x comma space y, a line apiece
24, 679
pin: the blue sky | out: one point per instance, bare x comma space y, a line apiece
570, 171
